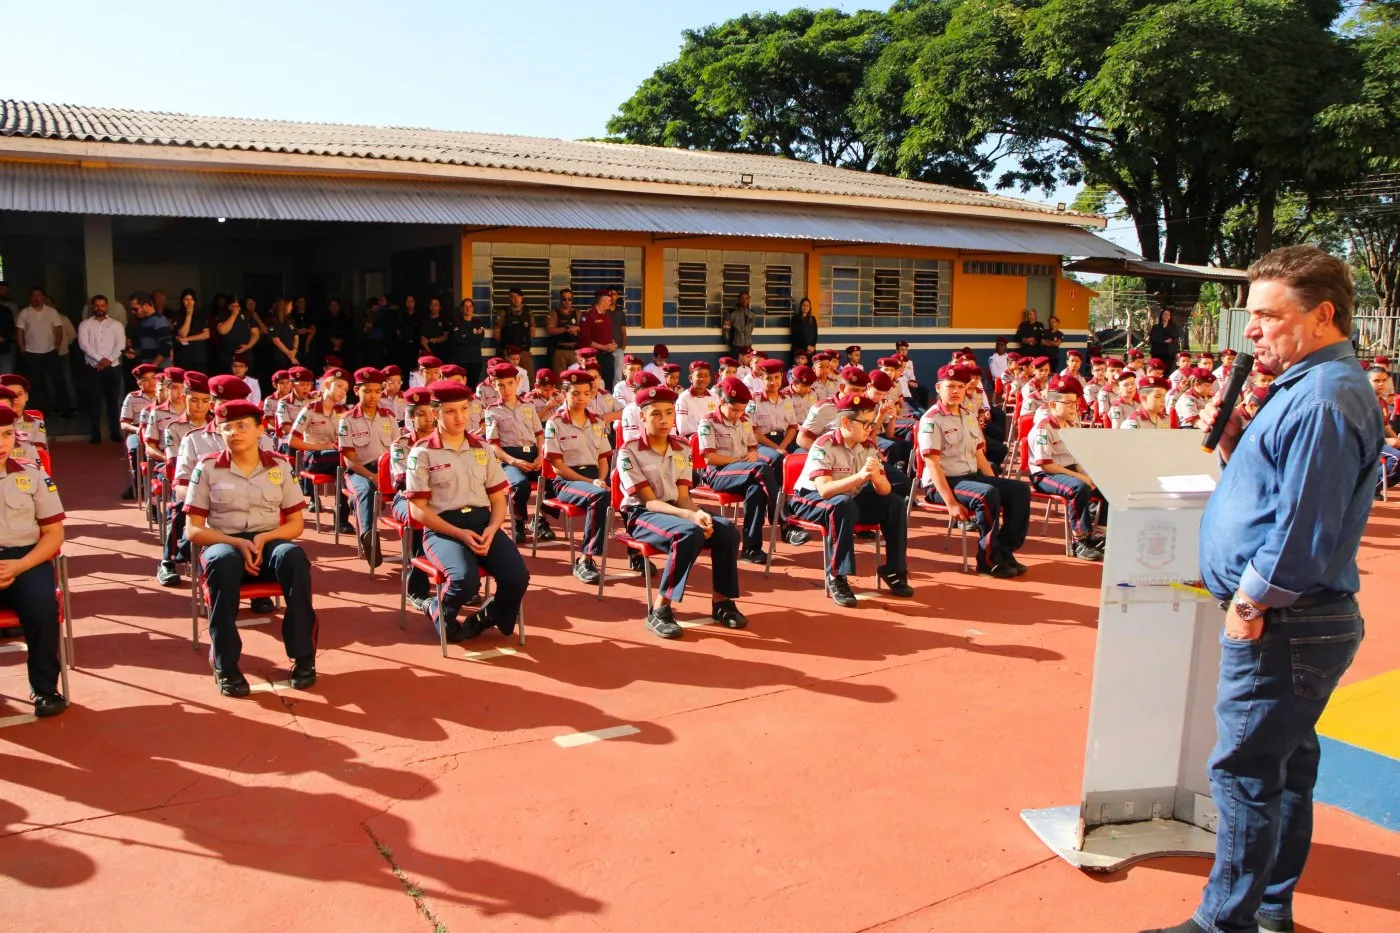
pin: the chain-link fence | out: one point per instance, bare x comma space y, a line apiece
1124, 318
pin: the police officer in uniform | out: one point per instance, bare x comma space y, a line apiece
244, 511
1054, 469
457, 492
366, 433
843, 483
419, 421
956, 474
732, 463
314, 433
576, 443
31, 533
655, 478
513, 427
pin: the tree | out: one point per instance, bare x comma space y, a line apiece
1177, 107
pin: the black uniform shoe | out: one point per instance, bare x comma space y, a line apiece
232, 683
586, 570
418, 602
506, 628
637, 563
543, 533
1096, 541
1270, 925
128, 495
346, 528
1190, 926
728, 615
263, 604
166, 574
755, 556
51, 704
12, 631
662, 621
1009, 560
840, 591
303, 674
1086, 551
796, 537
866, 535
897, 583
369, 544
999, 571
519, 534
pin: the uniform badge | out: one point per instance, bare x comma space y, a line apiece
22, 482
413, 456
344, 428
706, 429
274, 476
624, 462
50, 485
551, 429
681, 461
480, 457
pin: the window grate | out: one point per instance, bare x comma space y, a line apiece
736, 281
885, 297
985, 267
926, 282
777, 290
692, 287
586, 276
529, 275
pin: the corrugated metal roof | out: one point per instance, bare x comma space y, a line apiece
162, 193
1163, 270
485, 150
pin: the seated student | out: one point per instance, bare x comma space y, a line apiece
239, 368
671, 373
1074, 362
1183, 366
29, 426
132, 406
622, 391
514, 355
893, 440
800, 358
1108, 396
156, 417
457, 492
1054, 469
23, 450
602, 403
843, 484
393, 392
826, 386
303, 394
696, 403
1033, 391
1150, 413
655, 477
1137, 361
732, 464
281, 389
194, 418
728, 369
1155, 367
956, 473
315, 433
1197, 389
576, 443
991, 420
799, 392
754, 380
822, 416
910, 387
365, 434
853, 357
660, 355
513, 428
772, 414
429, 371
31, 533
419, 421
545, 395
743, 363
1124, 398
244, 510
631, 420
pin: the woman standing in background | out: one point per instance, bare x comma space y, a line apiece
804, 329
192, 334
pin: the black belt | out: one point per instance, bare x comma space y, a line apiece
1306, 601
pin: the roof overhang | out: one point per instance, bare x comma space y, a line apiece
1104, 265
55, 188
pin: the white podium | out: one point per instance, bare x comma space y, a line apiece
1151, 720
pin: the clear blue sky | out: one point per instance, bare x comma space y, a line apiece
534, 67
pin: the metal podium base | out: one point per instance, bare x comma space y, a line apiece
1117, 845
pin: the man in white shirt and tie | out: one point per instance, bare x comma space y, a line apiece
102, 341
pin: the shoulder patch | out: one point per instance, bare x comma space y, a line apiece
551, 428
413, 457
50, 485
624, 461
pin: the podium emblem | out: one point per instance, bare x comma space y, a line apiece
1156, 545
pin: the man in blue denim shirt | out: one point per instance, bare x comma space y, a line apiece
1279, 539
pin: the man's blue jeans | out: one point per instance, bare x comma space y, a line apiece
1264, 765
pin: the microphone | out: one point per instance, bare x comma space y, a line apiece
1239, 374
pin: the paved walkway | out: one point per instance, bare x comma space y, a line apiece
821, 771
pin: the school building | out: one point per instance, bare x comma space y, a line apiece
103, 200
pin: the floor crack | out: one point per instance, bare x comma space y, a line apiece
412, 890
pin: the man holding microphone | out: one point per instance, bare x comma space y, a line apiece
1278, 546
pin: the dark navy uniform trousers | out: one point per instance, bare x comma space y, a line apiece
589, 497
520, 481
462, 568
361, 490
758, 481
31, 597
841, 514
1081, 498
325, 462
417, 579
176, 548
282, 561
1000, 507
683, 540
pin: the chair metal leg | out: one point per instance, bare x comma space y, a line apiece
879, 536
646, 577
603, 564
403, 578
335, 505
773, 528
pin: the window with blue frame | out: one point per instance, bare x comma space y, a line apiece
586, 276
868, 291
530, 275
777, 290
700, 284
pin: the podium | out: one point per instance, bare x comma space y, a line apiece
1151, 720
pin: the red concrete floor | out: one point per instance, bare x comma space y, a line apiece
821, 771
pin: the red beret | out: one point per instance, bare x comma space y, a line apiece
279, 375
901, 343
881, 381
771, 367
1136, 354
418, 395
1156, 363
853, 349
1263, 370
631, 359
452, 371
1201, 374
644, 379
429, 362
728, 361
823, 355
575, 377
1126, 375
1065, 385
670, 367
1098, 361
8, 416
855, 376
1040, 361
855, 403
803, 375
1154, 382
586, 353
510, 348
392, 370
660, 350
7, 394
333, 361
652, 394
196, 382
1183, 355
1014, 357
1074, 354
301, 374
500, 369
734, 391
367, 374
1259, 392
545, 376
229, 388
699, 364
952, 373
241, 358
237, 408
893, 362
174, 374
1115, 363
334, 373
11, 379
445, 390
145, 369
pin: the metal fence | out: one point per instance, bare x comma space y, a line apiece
1374, 333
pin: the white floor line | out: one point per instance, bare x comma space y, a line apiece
255, 620
271, 687
695, 623
19, 720
597, 735
12, 648
488, 654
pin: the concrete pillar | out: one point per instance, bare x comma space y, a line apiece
99, 266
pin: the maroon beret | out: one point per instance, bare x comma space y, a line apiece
237, 408
803, 375
855, 403
429, 362
734, 391
229, 388
196, 382
367, 374
854, 376
645, 379
544, 376
445, 390
652, 394
881, 381
418, 395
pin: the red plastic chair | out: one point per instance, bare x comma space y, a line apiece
199, 593
703, 495
916, 501
10, 619
620, 535
567, 509
1050, 499
792, 469
317, 480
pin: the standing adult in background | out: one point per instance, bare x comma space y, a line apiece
191, 334
1165, 337
803, 330
332, 336
435, 332
304, 323
401, 331
283, 337
1051, 339
515, 327
470, 334
738, 324
1029, 332
599, 331
38, 332
236, 334
1279, 539
102, 341
562, 325
8, 311
379, 333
